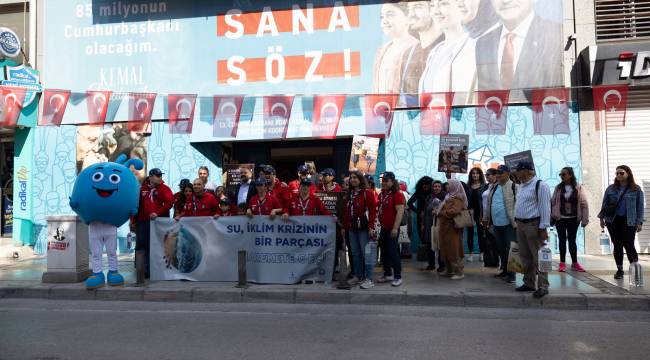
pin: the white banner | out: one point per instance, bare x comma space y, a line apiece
278, 252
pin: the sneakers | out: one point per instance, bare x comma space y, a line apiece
457, 277
525, 288
385, 279
113, 278
95, 281
540, 293
577, 267
367, 284
396, 282
353, 281
469, 258
562, 267
619, 274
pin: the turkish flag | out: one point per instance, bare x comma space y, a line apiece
378, 112
225, 112
550, 111
97, 104
140, 110
277, 110
326, 115
180, 112
54, 104
612, 99
11, 103
492, 112
435, 113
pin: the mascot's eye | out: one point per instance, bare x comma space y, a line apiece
114, 178
98, 176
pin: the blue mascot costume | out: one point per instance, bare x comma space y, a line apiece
105, 196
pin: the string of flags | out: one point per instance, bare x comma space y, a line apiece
550, 106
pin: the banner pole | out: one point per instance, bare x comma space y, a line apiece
241, 269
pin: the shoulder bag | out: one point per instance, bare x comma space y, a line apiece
464, 219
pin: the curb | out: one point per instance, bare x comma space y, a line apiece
327, 296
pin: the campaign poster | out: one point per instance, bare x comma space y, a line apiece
452, 155
333, 202
363, 156
233, 175
512, 160
97, 144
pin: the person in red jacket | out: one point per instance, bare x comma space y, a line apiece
303, 174
358, 223
203, 202
264, 203
390, 209
156, 199
225, 209
183, 200
328, 183
304, 203
277, 188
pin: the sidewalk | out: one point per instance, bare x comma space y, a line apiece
595, 290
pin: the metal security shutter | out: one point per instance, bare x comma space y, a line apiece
630, 145
622, 19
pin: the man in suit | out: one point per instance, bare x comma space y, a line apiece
524, 52
245, 190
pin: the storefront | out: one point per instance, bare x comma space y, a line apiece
625, 136
283, 85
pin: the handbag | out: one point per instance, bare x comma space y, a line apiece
403, 235
609, 210
435, 235
464, 219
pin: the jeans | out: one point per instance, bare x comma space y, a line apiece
504, 236
623, 237
567, 229
358, 241
479, 232
142, 237
390, 258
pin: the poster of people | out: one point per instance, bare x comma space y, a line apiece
364, 154
452, 156
97, 144
513, 159
233, 174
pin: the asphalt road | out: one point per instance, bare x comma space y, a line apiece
52, 330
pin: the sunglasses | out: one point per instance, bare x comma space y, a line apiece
564, 174
620, 173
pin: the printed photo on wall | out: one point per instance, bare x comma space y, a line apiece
512, 160
452, 155
364, 153
233, 174
97, 144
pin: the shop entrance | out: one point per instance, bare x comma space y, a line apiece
287, 155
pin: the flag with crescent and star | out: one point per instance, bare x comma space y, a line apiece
550, 111
54, 103
492, 112
277, 111
180, 111
378, 112
435, 113
140, 110
610, 104
97, 105
326, 115
225, 112
11, 104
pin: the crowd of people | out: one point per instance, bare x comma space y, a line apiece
506, 206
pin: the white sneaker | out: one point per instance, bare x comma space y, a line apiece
458, 277
396, 282
469, 257
480, 257
367, 284
385, 279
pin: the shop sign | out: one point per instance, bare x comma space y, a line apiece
639, 61
22, 177
24, 77
9, 43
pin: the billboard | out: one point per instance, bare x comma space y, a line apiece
302, 48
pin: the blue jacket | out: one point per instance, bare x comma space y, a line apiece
633, 205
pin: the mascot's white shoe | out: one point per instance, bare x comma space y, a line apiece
114, 278
95, 281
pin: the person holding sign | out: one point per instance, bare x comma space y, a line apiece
264, 203
328, 183
304, 203
303, 174
203, 203
225, 209
277, 188
184, 200
358, 222
390, 212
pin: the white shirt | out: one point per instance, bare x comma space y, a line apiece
455, 62
518, 42
568, 189
243, 192
527, 206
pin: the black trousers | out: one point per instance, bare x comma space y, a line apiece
390, 259
142, 241
567, 229
623, 237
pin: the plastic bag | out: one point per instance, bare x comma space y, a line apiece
514, 260
545, 258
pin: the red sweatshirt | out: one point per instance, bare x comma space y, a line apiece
158, 199
311, 207
357, 205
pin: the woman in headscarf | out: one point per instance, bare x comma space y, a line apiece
451, 244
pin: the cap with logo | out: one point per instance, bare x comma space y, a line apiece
184, 182
155, 172
303, 169
328, 172
261, 181
503, 169
388, 175
268, 169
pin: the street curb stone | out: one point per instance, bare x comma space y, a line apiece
323, 297
168, 295
121, 294
378, 298
208, 295
494, 300
566, 302
270, 296
612, 302
427, 299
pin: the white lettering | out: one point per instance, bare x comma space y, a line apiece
311, 71
267, 23
300, 18
339, 18
235, 23
232, 67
